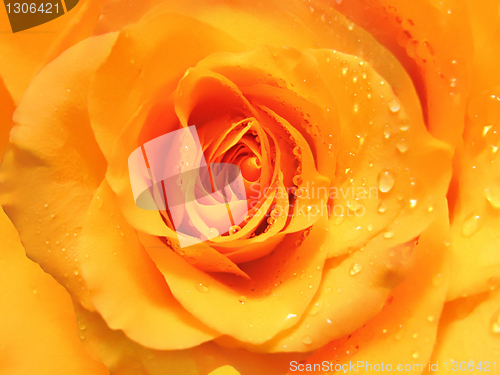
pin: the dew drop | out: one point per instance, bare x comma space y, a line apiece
202, 288
242, 299
234, 229
493, 283
404, 126
276, 212
297, 180
430, 318
316, 308
471, 225
492, 194
389, 233
415, 355
355, 269
75, 271
382, 207
401, 333
495, 323
352, 350
402, 146
387, 132
413, 203
307, 340
385, 181
394, 106
297, 151
369, 227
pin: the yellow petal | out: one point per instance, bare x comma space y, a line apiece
26, 52
405, 330
51, 169
469, 330
146, 63
476, 216
278, 291
383, 158
38, 328
125, 285
420, 35
121, 355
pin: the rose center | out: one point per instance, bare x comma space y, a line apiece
250, 168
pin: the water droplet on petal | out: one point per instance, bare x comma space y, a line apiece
387, 132
385, 180
492, 194
430, 318
394, 106
389, 233
495, 323
297, 180
402, 146
471, 225
413, 203
234, 229
355, 269
382, 207
316, 308
415, 355
202, 288
493, 283
307, 340
352, 350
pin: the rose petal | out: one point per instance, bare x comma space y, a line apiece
353, 290
476, 216
120, 354
24, 55
405, 330
38, 326
419, 35
469, 330
379, 140
53, 166
251, 310
148, 57
125, 285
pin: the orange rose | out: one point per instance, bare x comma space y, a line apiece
345, 140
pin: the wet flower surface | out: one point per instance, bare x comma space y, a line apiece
366, 138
